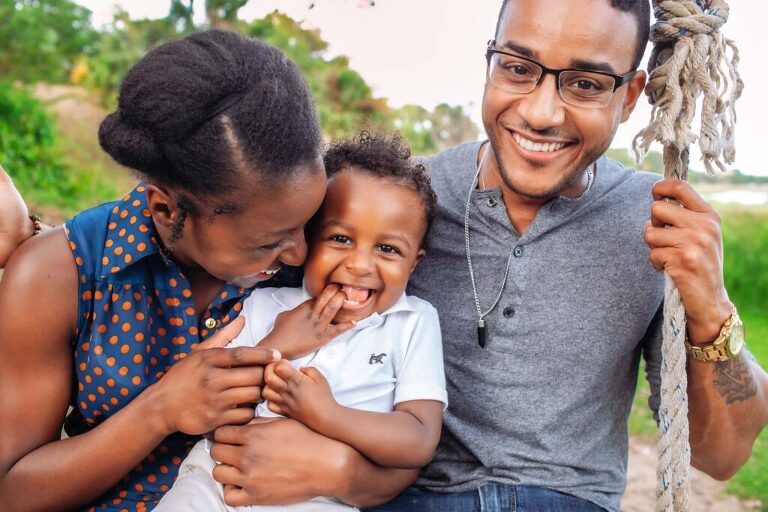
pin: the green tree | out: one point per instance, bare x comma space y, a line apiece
223, 13
41, 40
121, 46
30, 152
344, 99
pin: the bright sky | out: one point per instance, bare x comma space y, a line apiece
431, 51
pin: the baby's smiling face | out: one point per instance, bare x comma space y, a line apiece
367, 239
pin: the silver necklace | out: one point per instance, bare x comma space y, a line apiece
481, 323
481, 338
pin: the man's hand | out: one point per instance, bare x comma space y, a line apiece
276, 462
303, 395
309, 326
15, 226
687, 243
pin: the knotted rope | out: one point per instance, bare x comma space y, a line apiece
688, 60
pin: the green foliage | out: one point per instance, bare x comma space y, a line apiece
430, 132
745, 244
54, 41
27, 135
343, 98
223, 12
121, 46
29, 152
41, 40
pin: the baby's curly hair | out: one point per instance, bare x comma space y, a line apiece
386, 156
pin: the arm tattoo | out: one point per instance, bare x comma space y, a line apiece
734, 379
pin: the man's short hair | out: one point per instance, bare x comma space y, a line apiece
640, 10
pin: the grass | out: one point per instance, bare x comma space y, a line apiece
745, 239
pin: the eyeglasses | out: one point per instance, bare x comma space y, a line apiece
578, 87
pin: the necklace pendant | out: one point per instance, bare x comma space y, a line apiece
481, 333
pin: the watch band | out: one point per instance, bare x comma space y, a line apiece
707, 353
717, 350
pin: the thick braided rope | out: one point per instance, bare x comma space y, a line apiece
687, 62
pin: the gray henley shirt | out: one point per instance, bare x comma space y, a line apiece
546, 402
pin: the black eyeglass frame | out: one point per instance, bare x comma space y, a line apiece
618, 80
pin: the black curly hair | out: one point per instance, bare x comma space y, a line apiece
388, 157
203, 114
640, 10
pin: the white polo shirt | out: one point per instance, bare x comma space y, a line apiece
385, 359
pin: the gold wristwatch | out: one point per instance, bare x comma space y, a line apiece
726, 346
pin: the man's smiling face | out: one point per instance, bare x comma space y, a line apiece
543, 145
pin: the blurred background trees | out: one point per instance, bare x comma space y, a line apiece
57, 69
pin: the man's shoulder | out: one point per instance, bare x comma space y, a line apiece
451, 171
628, 177
623, 186
445, 162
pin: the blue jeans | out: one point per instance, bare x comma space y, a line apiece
488, 498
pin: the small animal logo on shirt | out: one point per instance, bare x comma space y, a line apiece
377, 359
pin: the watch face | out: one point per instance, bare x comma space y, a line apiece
736, 339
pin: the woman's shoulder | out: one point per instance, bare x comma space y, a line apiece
91, 225
42, 273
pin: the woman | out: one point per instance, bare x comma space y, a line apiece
223, 134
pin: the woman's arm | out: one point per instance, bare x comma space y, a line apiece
36, 369
15, 226
282, 461
38, 304
405, 438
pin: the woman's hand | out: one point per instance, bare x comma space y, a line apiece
212, 386
15, 226
309, 325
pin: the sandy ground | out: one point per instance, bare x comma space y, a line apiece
707, 494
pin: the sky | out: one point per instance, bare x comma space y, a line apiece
432, 51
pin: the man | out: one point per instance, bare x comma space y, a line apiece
543, 283
560, 278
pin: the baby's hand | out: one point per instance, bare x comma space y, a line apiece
303, 395
308, 327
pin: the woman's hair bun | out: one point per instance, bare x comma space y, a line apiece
130, 145
169, 121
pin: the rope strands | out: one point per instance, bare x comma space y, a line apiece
689, 60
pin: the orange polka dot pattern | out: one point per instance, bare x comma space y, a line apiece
137, 318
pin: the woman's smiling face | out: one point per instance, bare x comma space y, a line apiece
367, 239
251, 244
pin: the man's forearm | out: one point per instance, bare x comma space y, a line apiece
728, 408
370, 485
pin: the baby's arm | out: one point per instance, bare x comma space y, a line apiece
405, 438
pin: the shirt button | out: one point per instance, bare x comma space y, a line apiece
509, 312
492, 202
210, 323
518, 252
